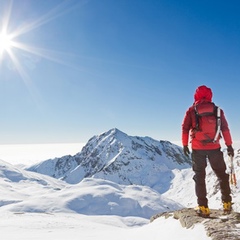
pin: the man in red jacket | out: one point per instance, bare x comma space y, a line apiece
201, 121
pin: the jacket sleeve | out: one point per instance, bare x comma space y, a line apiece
186, 126
225, 130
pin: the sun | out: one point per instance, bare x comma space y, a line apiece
14, 52
6, 42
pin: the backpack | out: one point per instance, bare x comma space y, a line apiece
208, 122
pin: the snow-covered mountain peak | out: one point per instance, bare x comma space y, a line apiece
106, 139
120, 158
114, 132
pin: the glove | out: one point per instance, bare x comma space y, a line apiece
186, 150
230, 151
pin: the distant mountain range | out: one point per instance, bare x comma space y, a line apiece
115, 156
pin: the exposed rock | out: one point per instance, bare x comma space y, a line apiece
218, 226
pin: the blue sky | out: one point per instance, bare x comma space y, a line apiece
79, 68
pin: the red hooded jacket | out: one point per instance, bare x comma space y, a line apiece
202, 94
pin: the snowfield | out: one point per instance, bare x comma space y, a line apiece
61, 226
35, 206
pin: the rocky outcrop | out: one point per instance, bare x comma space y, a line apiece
218, 226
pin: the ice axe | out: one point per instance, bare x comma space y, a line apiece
232, 176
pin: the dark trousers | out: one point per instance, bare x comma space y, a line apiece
216, 160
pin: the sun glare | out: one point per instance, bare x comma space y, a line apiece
5, 42
13, 51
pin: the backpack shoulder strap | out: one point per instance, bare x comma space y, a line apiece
218, 124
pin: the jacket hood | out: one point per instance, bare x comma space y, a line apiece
203, 93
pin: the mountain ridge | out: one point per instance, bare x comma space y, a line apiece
115, 156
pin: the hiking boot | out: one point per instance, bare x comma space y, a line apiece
227, 207
202, 211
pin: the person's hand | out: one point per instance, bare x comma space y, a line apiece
230, 151
186, 150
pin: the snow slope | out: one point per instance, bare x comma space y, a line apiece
24, 191
36, 206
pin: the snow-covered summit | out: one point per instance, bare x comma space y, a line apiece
115, 156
